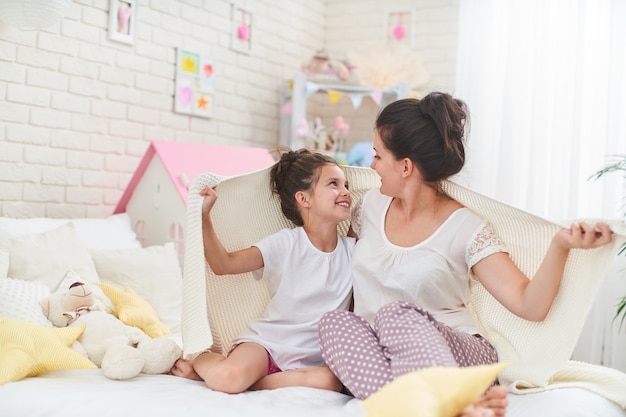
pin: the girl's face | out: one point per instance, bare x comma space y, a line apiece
330, 197
388, 168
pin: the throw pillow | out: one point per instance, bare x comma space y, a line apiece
19, 300
153, 272
133, 310
432, 392
113, 232
30, 350
46, 257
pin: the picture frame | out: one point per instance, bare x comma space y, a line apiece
241, 29
400, 27
123, 20
195, 83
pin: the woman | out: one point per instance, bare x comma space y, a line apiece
416, 253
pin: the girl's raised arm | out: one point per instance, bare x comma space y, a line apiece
220, 260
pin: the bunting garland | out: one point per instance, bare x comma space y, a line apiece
377, 96
311, 88
356, 100
287, 107
334, 95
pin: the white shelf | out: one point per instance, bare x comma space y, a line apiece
298, 90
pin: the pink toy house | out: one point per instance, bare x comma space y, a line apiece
156, 196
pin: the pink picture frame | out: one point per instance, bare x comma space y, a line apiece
123, 20
241, 29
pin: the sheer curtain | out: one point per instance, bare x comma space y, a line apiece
545, 82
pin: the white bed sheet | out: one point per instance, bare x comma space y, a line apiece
86, 392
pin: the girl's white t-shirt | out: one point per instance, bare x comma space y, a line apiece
434, 274
304, 283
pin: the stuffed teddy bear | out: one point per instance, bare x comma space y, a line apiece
322, 65
121, 351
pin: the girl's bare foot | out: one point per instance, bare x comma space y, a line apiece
184, 368
494, 400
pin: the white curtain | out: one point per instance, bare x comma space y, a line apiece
545, 82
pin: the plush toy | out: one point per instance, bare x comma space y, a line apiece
121, 351
321, 65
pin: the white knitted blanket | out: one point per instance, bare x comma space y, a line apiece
217, 308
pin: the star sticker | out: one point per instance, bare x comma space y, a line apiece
202, 102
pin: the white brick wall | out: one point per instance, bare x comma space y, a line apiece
77, 110
434, 25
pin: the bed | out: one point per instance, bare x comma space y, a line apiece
204, 311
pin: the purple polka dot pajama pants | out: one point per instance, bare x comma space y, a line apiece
405, 338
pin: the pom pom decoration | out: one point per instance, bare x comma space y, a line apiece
385, 66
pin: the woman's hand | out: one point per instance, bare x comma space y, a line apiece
584, 236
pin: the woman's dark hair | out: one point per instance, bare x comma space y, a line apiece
430, 132
296, 171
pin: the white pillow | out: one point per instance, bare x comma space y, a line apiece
19, 300
46, 257
113, 232
11, 227
154, 273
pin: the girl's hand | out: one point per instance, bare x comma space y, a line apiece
210, 196
584, 236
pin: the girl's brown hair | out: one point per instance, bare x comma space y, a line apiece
296, 171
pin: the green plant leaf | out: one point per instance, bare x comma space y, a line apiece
621, 311
618, 165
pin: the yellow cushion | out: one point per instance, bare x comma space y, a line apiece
133, 310
27, 349
432, 392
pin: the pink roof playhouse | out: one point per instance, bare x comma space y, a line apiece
156, 196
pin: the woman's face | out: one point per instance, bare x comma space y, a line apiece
388, 168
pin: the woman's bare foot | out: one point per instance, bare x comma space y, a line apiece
184, 368
494, 402
476, 411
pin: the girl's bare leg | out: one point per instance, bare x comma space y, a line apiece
244, 366
314, 377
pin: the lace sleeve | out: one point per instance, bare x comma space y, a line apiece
484, 243
355, 219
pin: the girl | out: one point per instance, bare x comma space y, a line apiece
309, 272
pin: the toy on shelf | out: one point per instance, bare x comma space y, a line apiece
297, 125
322, 67
361, 154
315, 135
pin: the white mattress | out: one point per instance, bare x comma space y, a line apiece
86, 392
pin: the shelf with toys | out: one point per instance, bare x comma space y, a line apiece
333, 117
